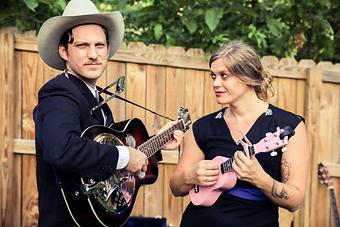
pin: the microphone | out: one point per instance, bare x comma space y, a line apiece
120, 87
120, 84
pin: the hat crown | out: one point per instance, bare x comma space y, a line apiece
80, 7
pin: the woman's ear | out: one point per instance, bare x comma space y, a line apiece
63, 52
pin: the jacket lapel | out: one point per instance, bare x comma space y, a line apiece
97, 114
107, 111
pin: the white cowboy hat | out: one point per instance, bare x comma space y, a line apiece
77, 12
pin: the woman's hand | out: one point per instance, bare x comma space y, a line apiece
247, 169
204, 173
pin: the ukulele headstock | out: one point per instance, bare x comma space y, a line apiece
273, 141
184, 118
323, 175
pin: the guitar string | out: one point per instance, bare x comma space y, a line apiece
151, 146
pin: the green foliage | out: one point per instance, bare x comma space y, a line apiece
31, 4
300, 29
212, 17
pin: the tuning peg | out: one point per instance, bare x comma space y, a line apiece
283, 149
268, 134
274, 153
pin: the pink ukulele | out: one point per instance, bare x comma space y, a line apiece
207, 196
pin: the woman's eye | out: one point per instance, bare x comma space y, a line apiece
224, 76
213, 76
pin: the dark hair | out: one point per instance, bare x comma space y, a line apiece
67, 37
242, 60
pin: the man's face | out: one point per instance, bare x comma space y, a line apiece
87, 56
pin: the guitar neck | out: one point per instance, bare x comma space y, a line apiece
334, 207
151, 146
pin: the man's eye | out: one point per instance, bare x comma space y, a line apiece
100, 45
81, 45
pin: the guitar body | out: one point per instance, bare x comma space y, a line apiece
133, 133
207, 196
110, 202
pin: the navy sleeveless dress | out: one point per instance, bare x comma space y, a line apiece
250, 207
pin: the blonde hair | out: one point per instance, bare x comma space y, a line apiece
242, 61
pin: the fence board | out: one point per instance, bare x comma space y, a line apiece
336, 125
313, 87
172, 207
287, 94
175, 82
7, 87
155, 97
29, 192
300, 97
135, 91
32, 80
16, 202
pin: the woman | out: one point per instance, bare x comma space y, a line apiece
264, 183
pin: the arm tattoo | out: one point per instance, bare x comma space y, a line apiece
285, 170
280, 195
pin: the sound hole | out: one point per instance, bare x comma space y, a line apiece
106, 138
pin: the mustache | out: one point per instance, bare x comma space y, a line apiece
93, 63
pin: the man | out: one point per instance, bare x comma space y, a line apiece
80, 42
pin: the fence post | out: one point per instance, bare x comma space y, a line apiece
7, 121
312, 113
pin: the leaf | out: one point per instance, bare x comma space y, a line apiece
31, 4
212, 17
61, 4
191, 25
158, 31
275, 26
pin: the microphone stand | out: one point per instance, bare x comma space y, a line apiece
119, 89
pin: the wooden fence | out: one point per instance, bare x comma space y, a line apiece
161, 79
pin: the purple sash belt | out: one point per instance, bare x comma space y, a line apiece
248, 193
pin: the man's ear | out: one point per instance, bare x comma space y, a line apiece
63, 52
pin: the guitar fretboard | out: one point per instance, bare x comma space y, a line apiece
154, 144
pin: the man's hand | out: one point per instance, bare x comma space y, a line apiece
137, 161
177, 136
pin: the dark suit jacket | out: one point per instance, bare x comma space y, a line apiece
62, 113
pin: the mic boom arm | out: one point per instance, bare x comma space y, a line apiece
119, 89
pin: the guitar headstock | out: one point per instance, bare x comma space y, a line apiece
323, 175
273, 141
184, 118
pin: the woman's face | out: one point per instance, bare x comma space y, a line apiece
228, 88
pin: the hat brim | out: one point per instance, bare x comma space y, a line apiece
51, 31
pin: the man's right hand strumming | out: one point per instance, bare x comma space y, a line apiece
137, 162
